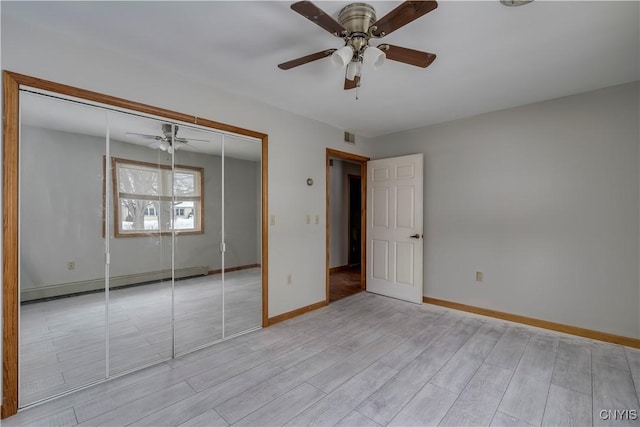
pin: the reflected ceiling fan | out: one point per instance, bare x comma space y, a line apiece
168, 141
357, 25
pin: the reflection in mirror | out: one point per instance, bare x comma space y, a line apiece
242, 203
197, 195
140, 242
62, 270
122, 224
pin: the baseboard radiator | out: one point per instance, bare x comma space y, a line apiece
72, 288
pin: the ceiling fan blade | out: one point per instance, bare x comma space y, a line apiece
314, 14
186, 140
400, 16
143, 135
408, 56
305, 59
351, 84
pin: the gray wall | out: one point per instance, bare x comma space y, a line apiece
544, 200
339, 211
61, 212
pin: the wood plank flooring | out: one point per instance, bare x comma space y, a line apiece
344, 283
368, 360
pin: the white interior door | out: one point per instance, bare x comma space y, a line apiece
394, 227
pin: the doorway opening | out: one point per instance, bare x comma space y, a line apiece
354, 224
346, 221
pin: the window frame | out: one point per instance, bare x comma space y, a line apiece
148, 209
198, 212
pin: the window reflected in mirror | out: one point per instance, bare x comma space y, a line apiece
156, 199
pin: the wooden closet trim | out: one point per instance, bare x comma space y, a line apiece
11, 86
10, 246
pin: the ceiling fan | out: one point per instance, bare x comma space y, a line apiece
169, 141
357, 25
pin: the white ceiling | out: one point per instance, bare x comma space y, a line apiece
490, 57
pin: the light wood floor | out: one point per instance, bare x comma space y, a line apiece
369, 360
63, 344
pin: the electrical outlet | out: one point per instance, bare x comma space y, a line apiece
289, 279
308, 219
479, 276
317, 219
273, 220
71, 265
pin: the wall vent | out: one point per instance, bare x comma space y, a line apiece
349, 138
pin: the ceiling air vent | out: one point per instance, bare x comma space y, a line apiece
349, 138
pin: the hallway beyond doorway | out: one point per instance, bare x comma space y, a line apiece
344, 283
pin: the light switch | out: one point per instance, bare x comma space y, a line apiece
273, 220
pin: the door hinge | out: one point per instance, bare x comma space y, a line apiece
223, 247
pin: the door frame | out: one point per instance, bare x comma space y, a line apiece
342, 155
10, 189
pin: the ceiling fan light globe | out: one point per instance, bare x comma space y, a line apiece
163, 146
342, 56
374, 57
352, 70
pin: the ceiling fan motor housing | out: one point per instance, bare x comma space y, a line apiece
357, 17
166, 129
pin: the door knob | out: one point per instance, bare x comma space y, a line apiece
415, 236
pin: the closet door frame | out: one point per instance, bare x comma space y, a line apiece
10, 237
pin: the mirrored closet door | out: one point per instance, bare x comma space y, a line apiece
62, 340
198, 215
242, 277
140, 243
140, 240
